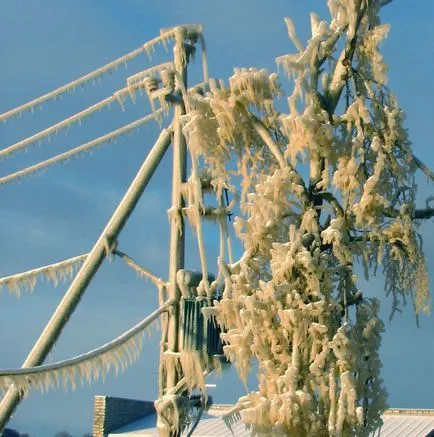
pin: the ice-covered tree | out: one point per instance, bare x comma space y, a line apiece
317, 192
322, 188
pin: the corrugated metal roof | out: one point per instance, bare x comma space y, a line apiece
407, 423
397, 423
210, 425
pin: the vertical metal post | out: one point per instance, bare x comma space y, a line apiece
78, 286
177, 232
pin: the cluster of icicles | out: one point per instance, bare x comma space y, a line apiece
157, 82
291, 302
117, 354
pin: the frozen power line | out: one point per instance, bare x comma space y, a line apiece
80, 149
148, 47
67, 122
118, 353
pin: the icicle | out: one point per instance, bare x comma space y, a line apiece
119, 98
118, 354
141, 271
292, 34
71, 86
64, 157
26, 281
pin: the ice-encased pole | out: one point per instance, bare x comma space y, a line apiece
72, 297
177, 231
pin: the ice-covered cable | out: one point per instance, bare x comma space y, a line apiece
149, 72
118, 353
204, 59
55, 128
142, 271
53, 272
80, 149
147, 47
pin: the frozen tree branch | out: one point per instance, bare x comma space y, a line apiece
419, 214
423, 167
275, 150
426, 213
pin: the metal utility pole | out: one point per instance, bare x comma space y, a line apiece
95, 258
168, 374
177, 232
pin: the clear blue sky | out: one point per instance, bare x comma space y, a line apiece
44, 44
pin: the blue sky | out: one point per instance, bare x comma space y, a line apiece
59, 214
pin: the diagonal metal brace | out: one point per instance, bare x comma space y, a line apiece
78, 286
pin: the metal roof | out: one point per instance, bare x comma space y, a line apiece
407, 423
210, 425
397, 423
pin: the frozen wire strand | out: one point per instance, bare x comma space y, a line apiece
226, 231
184, 91
204, 59
196, 420
199, 232
182, 384
49, 270
147, 47
55, 128
228, 238
139, 269
201, 246
142, 74
230, 251
222, 246
232, 417
112, 346
222, 235
80, 149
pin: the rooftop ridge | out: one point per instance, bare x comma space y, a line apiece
410, 411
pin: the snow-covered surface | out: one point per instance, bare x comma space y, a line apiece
211, 425
402, 423
407, 423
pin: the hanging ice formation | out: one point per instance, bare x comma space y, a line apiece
158, 82
149, 47
292, 302
60, 271
117, 354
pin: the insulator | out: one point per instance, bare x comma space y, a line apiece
151, 84
190, 50
168, 79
